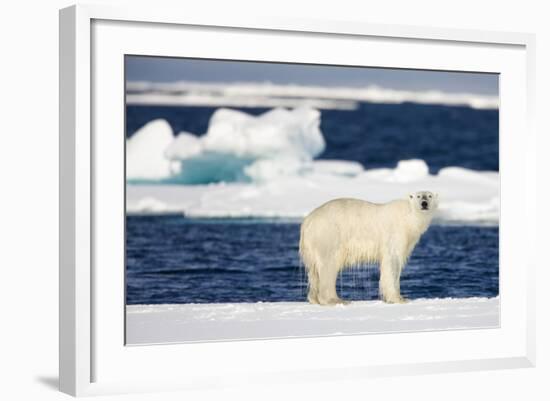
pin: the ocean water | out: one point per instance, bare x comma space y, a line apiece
172, 259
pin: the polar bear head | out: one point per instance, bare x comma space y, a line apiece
424, 201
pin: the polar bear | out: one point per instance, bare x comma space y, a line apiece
349, 232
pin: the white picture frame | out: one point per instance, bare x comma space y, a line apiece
93, 357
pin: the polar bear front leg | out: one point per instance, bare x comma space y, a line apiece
390, 272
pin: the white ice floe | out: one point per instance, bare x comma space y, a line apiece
266, 94
153, 324
465, 195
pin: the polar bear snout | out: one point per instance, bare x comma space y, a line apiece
424, 205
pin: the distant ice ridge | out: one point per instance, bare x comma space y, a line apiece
266, 94
172, 323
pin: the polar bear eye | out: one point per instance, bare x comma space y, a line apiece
418, 196
430, 196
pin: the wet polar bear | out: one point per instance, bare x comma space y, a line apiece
349, 232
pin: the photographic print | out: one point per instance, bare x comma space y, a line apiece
274, 200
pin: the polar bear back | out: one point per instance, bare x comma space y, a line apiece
353, 231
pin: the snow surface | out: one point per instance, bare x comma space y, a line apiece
266, 94
152, 324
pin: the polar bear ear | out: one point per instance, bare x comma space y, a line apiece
411, 196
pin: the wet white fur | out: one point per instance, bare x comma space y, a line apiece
350, 232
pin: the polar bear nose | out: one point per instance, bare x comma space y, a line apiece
424, 204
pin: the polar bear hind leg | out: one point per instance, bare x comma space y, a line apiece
328, 274
313, 285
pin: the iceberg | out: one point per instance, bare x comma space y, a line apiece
236, 147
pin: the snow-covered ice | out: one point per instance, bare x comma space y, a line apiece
152, 324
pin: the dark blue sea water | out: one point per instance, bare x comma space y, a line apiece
376, 135
171, 259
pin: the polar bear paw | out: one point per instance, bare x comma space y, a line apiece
334, 301
396, 300
403, 300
